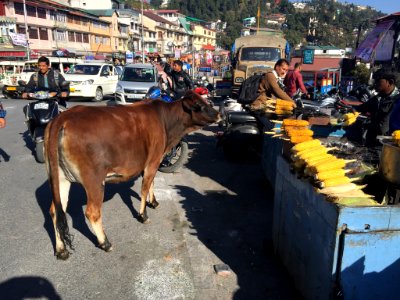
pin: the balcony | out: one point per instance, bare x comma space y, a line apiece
59, 24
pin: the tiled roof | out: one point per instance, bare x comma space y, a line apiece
156, 18
320, 63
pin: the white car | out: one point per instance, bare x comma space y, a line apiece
92, 80
134, 82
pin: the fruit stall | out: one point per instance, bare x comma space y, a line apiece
332, 233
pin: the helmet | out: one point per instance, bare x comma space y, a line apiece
154, 93
201, 90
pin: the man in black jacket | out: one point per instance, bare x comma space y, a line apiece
181, 81
47, 80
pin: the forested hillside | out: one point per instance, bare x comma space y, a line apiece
331, 23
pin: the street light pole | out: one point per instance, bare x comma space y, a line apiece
28, 54
142, 35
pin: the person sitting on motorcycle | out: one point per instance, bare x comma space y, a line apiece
47, 80
181, 81
271, 84
380, 107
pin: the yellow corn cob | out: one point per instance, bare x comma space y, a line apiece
331, 174
280, 102
294, 122
351, 116
396, 134
336, 181
280, 107
307, 145
283, 112
300, 139
305, 132
348, 122
334, 165
318, 159
342, 188
311, 153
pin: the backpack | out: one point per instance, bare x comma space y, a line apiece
248, 91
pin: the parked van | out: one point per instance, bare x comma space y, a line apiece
10, 72
61, 64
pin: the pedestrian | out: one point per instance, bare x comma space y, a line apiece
49, 80
3, 113
294, 81
181, 81
271, 85
383, 109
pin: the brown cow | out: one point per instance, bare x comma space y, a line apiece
95, 145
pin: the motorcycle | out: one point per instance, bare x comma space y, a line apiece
241, 133
38, 114
178, 155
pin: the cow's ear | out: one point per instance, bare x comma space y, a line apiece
190, 101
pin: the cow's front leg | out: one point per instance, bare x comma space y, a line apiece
148, 178
152, 198
95, 197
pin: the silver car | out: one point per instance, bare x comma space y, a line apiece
134, 82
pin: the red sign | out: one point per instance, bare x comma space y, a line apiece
12, 53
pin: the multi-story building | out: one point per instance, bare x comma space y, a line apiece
10, 46
204, 38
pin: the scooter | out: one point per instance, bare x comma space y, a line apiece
38, 114
241, 131
178, 155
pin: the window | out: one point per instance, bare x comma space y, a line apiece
52, 15
19, 8
31, 11
60, 35
43, 34
71, 36
41, 13
20, 29
85, 38
78, 37
70, 19
33, 33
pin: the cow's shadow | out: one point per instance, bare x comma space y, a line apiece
77, 201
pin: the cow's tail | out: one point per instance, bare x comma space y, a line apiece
54, 133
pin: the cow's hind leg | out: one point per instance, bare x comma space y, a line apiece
153, 202
95, 196
147, 183
60, 221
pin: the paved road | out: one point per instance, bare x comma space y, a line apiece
213, 211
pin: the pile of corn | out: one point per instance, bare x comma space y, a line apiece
279, 107
350, 118
313, 158
396, 137
296, 131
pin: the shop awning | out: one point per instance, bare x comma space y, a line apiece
12, 53
208, 47
367, 48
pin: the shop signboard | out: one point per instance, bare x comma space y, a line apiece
308, 56
18, 39
367, 48
129, 57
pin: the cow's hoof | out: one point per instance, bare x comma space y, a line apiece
154, 204
143, 219
63, 254
106, 246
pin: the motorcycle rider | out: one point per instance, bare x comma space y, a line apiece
381, 107
181, 81
271, 84
47, 80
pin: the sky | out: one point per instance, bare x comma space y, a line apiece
385, 6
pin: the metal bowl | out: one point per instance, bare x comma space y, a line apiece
389, 166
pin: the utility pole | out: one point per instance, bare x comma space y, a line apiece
28, 51
142, 35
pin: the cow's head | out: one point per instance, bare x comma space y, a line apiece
200, 110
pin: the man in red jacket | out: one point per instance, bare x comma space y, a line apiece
294, 81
